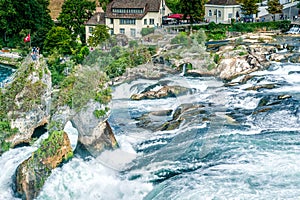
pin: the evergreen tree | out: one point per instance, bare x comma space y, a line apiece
249, 7
193, 8
74, 14
274, 7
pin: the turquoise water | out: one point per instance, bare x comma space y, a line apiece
5, 73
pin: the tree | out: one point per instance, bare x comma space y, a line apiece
193, 9
104, 3
173, 5
58, 40
249, 7
99, 35
274, 7
31, 15
74, 14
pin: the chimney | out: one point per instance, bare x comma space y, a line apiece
98, 17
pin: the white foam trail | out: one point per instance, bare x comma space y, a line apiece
9, 162
82, 180
72, 134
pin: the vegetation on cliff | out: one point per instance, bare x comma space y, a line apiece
33, 172
20, 96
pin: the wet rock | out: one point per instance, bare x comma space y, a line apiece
259, 87
295, 58
32, 173
94, 134
153, 120
164, 92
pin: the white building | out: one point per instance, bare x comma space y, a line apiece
222, 11
130, 16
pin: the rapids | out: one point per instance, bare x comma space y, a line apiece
249, 148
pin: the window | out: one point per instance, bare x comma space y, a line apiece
229, 15
219, 13
132, 32
127, 21
111, 31
209, 13
128, 10
145, 21
111, 21
151, 21
91, 29
122, 31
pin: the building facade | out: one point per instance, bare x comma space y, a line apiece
96, 19
129, 17
222, 11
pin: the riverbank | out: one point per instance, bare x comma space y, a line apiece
12, 59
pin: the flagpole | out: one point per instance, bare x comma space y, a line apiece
30, 40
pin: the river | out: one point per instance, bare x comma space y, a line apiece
5, 74
242, 144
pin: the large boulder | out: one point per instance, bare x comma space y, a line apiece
94, 134
32, 173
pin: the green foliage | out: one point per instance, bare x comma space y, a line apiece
44, 159
147, 31
239, 41
274, 7
103, 96
173, 5
99, 35
181, 38
58, 40
79, 57
199, 36
217, 58
249, 7
133, 43
74, 14
30, 15
192, 8
218, 31
100, 113
117, 68
116, 52
242, 53
152, 49
104, 3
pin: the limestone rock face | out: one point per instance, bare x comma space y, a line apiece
94, 134
32, 173
231, 67
31, 104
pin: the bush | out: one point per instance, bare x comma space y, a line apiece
181, 38
147, 31
133, 43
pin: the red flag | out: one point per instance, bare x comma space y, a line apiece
27, 38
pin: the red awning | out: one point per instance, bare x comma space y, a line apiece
176, 16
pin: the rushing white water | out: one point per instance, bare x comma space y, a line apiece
248, 149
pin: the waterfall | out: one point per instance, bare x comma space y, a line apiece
183, 69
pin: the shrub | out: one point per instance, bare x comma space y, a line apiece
181, 38
133, 43
147, 31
